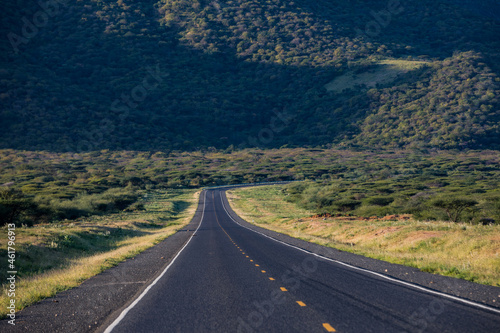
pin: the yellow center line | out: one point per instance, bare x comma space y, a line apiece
301, 303
328, 327
217, 219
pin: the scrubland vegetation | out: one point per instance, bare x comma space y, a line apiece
43, 187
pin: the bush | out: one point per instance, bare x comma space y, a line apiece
368, 211
346, 205
136, 206
492, 208
380, 201
88, 204
15, 207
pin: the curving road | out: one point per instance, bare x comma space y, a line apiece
228, 278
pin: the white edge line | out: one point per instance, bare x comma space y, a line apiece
138, 299
482, 306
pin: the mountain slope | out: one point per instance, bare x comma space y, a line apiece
178, 74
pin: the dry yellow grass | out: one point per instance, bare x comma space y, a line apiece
36, 287
465, 251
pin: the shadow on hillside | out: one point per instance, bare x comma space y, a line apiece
424, 28
93, 87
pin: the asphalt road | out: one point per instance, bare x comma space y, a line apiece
228, 278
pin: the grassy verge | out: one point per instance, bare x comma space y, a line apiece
59, 256
465, 251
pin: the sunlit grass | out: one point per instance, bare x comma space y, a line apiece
382, 72
465, 251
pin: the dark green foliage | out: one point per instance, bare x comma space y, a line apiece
435, 110
492, 206
454, 207
136, 206
114, 199
346, 205
15, 207
457, 188
245, 73
18, 208
65, 185
380, 201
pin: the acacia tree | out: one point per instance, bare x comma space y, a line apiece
454, 207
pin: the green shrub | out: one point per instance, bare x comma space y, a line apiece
346, 205
368, 211
380, 201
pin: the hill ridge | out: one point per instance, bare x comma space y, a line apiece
229, 67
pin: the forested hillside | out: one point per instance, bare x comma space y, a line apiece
183, 74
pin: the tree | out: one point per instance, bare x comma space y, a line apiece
454, 207
347, 205
13, 206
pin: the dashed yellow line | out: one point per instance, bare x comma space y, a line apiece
328, 327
